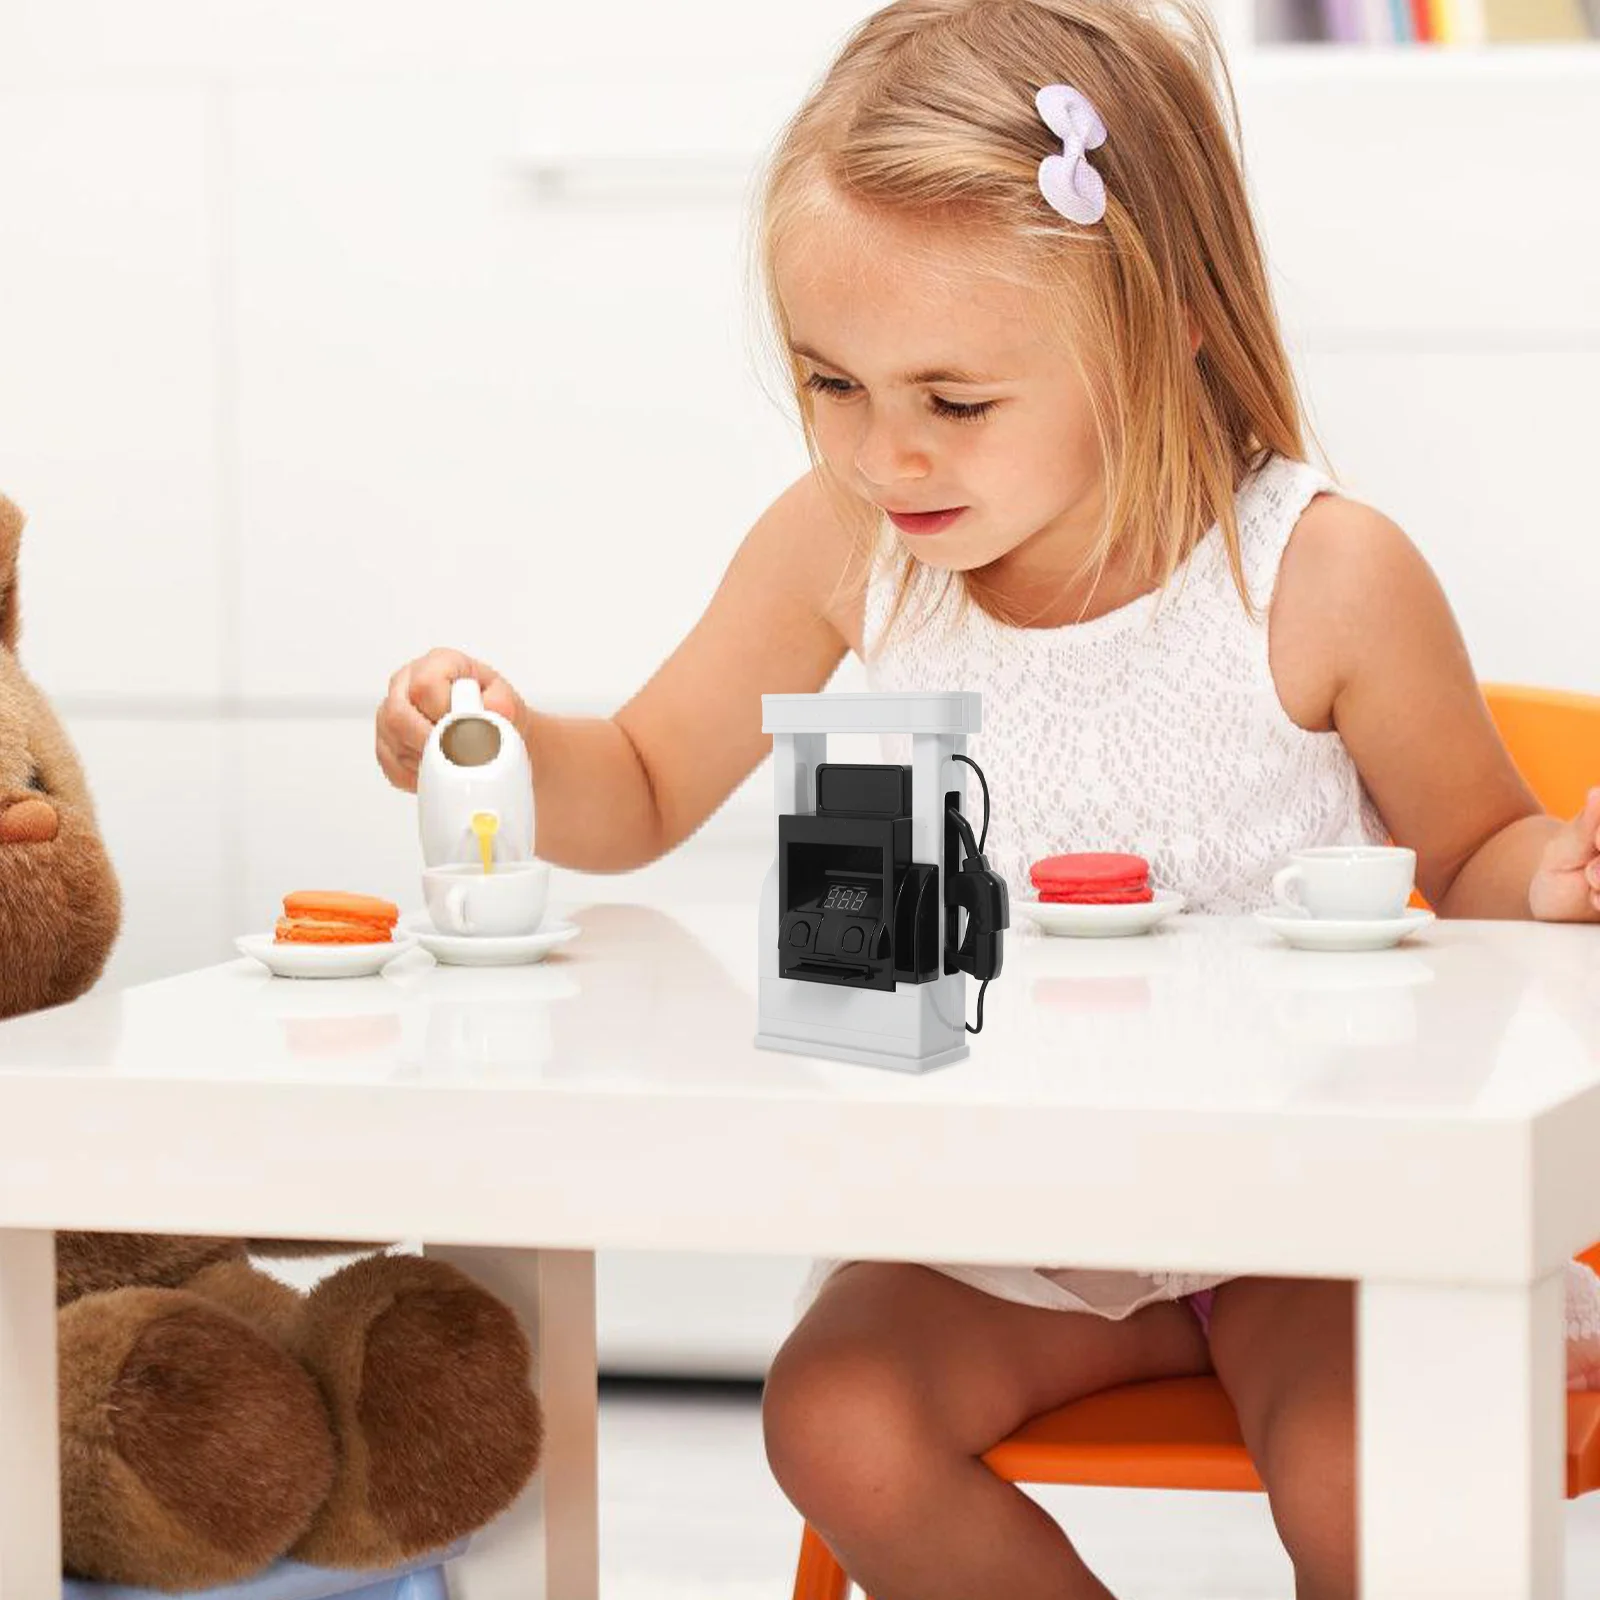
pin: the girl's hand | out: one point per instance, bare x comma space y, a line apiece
419, 694
1566, 887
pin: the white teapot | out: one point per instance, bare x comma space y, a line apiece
475, 761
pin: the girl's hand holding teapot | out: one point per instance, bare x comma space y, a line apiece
419, 695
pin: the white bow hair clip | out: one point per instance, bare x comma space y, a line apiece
1067, 181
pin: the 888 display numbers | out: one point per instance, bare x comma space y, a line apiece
845, 897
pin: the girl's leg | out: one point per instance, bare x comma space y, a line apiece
1284, 1349
896, 1381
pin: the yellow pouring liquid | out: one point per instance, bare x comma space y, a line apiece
486, 824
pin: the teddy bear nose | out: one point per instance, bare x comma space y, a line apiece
28, 822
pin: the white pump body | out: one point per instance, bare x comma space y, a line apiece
916, 1026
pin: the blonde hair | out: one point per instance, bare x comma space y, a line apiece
928, 113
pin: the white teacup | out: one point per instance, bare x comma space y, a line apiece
1348, 882
464, 899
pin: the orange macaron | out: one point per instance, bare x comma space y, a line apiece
332, 916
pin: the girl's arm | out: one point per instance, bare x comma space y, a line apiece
695, 727
1364, 619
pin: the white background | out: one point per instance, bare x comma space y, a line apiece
328, 334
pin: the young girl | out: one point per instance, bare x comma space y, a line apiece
1058, 458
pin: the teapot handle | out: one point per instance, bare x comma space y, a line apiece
465, 695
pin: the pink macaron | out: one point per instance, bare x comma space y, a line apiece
1092, 878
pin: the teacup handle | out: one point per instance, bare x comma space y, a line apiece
1281, 880
455, 909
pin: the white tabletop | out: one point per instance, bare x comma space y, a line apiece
1423, 1119
1203, 1098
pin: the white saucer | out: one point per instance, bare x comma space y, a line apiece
1102, 922
483, 950
322, 960
1327, 933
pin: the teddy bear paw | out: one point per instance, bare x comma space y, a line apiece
194, 1451
428, 1379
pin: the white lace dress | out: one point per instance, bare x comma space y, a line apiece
1155, 729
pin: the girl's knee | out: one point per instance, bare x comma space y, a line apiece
844, 1430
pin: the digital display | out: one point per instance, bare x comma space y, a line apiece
845, 897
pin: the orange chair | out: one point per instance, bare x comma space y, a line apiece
1554, 738
1181, 1433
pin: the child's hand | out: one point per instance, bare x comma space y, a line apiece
419, 694
1566, 887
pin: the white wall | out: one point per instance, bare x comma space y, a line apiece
1440, 286
328, 334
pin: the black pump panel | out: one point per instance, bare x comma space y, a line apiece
854, 908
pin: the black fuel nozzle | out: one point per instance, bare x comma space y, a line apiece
983, 895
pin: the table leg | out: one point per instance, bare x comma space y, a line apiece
547, 1545
30, 1472
1462, 1423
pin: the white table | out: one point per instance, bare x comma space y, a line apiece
1425, 1119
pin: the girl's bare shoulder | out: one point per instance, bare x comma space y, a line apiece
1364, 641
1341, 558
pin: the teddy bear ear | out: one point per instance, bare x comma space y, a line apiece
10, 543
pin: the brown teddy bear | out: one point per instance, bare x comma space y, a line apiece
213, 1419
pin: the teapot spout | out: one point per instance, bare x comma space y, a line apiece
453, 834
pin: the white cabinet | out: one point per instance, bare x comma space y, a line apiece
242, 40
1441, 297
1425, 197
229, 40
694, 1316
111, 393
472, 415
167, 813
